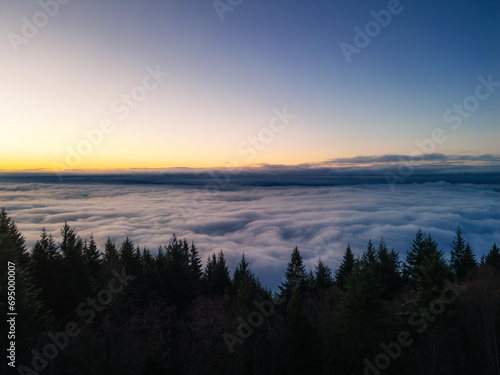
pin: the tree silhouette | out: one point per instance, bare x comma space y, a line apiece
295, 276
345, 268
493, 257
323, 276
387, 268
462, 258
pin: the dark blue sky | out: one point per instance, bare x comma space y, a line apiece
228, 74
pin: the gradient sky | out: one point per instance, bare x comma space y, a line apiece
227, 77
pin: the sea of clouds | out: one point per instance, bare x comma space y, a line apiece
264, 222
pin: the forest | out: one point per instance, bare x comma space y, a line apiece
125, 310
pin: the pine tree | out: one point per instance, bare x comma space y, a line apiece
241, 273
493, 257
92, 258
370, 254
323, 278
13, 240
31, 314
130, 257
147, 259
77, 283
296, 277
92, 254
46, 265
111, 255
415, 256
469, 260
216, 275
222, 277
387, 268
176, 273
195, 266
361, 314
429, 283
462, 257
345, 268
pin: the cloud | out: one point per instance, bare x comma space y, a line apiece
264, 222
484, 169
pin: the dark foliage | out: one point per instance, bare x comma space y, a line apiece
127, 311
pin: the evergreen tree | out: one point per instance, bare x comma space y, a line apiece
111, 255
31, 314
362, 315
387, 268
147, 259
77, 283
222, 277
195, 266
430, 280
462, 257
493, 257
12, 240
130, 257
46, 265
345, 268
370, 254
296, 277
92, 255
216, 275
415, 256
241, 273
323, 278
176, 273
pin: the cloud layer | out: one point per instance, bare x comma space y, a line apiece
264, 222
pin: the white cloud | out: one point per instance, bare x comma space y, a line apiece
266, 223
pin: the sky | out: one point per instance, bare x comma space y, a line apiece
201, 84
265, 223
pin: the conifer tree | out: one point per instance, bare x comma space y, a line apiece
462, 257
147, 259
370, 254
415, 256
296, 277
175, 273
46, 265
77, 283
493, 257
430, 280
195, 267
92, 257
387, 268
111, 255
345, 268
222, 277
216, 275
31, 313
323, 278
361, 314
130, 257
241, 273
